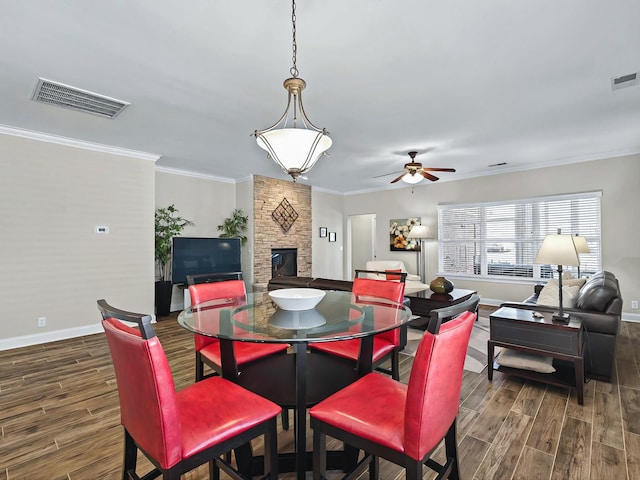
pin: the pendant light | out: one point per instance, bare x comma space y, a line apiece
298, 143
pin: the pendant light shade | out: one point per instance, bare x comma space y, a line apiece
295, 148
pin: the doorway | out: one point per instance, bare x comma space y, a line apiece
361, 231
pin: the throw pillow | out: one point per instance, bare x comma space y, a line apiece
525, 361
549, 295
390, 275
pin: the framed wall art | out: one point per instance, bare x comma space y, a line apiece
323, 232
332, 236
399, 229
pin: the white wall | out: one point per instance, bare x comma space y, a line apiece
617, 178
54, 265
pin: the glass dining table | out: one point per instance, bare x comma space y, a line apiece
298, 379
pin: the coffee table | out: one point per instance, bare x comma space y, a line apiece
423, 301
519, 329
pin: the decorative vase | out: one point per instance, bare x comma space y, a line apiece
441, 285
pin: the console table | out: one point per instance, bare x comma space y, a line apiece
519, 329
423, 301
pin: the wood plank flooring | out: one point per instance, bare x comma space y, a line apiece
59, 417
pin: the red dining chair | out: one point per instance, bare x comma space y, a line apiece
386, 345
180, 430
208, 348
401, 423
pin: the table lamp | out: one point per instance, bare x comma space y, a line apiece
581, 247
420, 233
558, 249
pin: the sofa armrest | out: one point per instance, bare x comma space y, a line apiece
412, 277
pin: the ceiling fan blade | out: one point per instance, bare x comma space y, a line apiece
398, 179
428, 176
386, 174
436, 169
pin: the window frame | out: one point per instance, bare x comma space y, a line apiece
466, 249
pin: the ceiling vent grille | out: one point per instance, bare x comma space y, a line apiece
624, 81
66, 96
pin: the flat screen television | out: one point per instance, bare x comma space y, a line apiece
195, 256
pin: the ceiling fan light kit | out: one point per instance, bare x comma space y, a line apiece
414, 172
294, 148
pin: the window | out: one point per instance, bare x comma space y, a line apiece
501, 239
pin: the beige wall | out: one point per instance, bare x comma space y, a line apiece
617, 179
328, 257
53, 263
204, 201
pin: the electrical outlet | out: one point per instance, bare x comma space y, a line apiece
634, 304
42, 321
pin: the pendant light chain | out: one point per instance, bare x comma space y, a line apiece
294, 69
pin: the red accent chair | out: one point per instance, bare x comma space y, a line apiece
208, 348
386, 345
401, 423
180, 430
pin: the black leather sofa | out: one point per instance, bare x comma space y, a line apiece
599, 305
309, 282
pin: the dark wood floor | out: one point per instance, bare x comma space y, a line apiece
59, 417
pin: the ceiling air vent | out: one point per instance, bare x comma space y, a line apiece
61, 95
624, 81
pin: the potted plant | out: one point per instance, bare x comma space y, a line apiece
234, 226
168, 224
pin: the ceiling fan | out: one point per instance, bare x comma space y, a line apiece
414, 172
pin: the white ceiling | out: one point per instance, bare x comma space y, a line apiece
467, 82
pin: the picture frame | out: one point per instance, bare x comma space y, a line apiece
323, 232
332, 236
399, 229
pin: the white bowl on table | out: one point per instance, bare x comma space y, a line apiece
297, 298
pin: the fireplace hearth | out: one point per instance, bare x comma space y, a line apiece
284, 262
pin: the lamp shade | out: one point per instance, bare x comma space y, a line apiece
294, 149
558, 249
412, 178
420, 232
581, 244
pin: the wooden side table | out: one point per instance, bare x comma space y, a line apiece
423, 301
519, 329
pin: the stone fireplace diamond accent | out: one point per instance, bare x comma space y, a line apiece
284, 215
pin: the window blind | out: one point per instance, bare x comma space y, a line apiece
501, 239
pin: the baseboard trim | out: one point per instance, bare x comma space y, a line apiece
53, 336
46, 337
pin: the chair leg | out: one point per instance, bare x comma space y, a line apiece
199, 367
451, 448
285, 419
130, 455
319, 454
214, 470
271, 451
374, 467
414, 469
395, 364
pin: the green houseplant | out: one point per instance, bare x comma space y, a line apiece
168, 224
235, 226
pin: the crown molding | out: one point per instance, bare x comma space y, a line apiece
75, 143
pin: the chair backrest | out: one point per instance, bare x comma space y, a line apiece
213, 277
440, 315
387, 289
391, 275
435, 382
148, 408
202, 292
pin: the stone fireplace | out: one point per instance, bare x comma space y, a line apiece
268, 194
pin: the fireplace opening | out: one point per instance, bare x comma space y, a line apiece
284, 262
